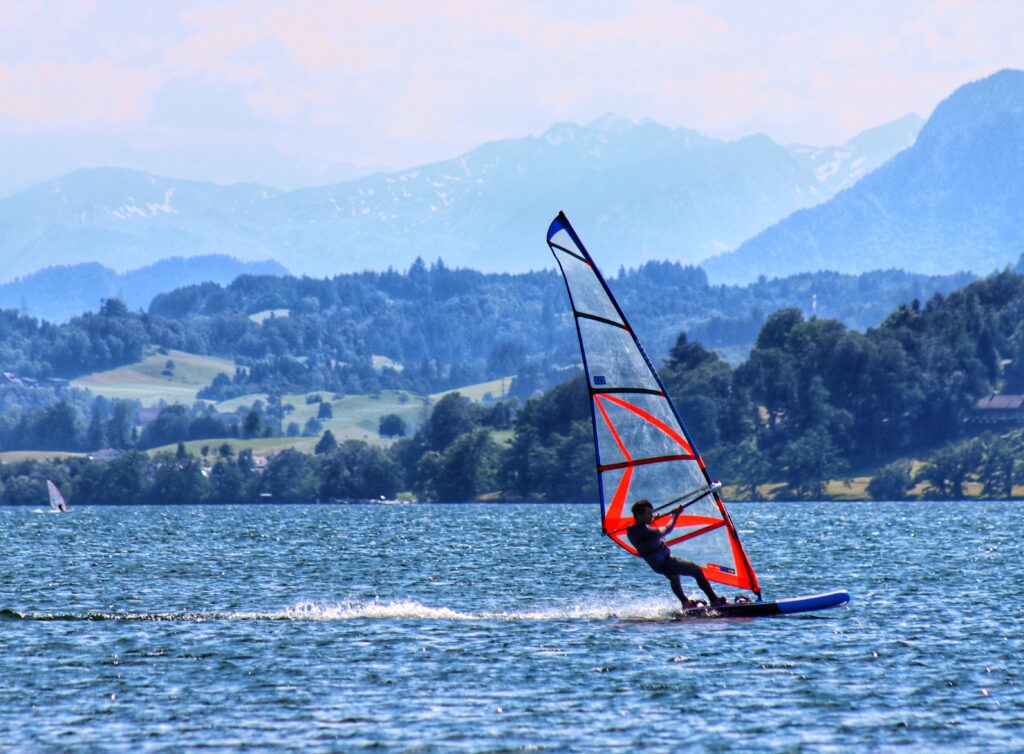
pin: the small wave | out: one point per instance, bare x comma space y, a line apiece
376, 610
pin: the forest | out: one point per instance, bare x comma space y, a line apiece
814, 401
445, 327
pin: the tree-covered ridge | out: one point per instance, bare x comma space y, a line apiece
444, 327
813, 402
816, 397
350, 471
58, 293
455, 327
462, 316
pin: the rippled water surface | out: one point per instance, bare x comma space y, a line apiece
489, 628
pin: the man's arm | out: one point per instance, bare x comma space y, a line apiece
663, 530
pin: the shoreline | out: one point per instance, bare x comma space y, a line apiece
498, 503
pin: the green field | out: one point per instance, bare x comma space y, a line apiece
144, 381
496, 388
16, 456
259, 317
356, 417
262, 446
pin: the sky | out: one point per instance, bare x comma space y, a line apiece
297, 93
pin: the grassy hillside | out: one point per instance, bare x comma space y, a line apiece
262, 446
356, 417
16, 456
151, 380
496, 388
259, 317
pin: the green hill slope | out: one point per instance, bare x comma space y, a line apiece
153, 379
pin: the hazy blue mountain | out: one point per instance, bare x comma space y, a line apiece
125, 219
645, 190
953, 201
838, 168
32, 158
59, 293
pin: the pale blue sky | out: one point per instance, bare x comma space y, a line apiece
290, 92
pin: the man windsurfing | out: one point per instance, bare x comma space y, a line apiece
647, 540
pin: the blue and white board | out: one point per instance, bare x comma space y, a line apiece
792, 606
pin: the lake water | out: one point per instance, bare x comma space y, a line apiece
501, 628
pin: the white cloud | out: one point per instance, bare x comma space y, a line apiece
411, 82
56, 95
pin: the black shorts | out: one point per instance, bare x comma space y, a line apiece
673, 566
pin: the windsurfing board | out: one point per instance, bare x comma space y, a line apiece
791, 606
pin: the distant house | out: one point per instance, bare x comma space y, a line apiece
1000, 410
10, 378
107, 454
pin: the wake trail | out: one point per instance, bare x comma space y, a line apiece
651, 610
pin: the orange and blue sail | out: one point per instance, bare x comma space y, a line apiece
643, 449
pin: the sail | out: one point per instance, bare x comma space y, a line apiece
643, 449
56, 499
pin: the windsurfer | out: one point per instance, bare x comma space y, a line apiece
647, 540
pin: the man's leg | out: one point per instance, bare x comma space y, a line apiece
679, 567
677, 588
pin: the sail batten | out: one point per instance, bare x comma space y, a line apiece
642, 461
642, 447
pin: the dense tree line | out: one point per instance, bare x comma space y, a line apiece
813, 401
411, 316
76, 421
350, 471
456, 327
70, 419
44, 418
454, 455
445, 327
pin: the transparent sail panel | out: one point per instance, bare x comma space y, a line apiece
713, 549
613, 358
616, 497
563, 239
661, 483
588, 295
643, 424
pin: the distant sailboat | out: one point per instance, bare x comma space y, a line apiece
57, 502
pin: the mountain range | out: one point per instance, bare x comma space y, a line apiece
647, 191
952, 201
934, 198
